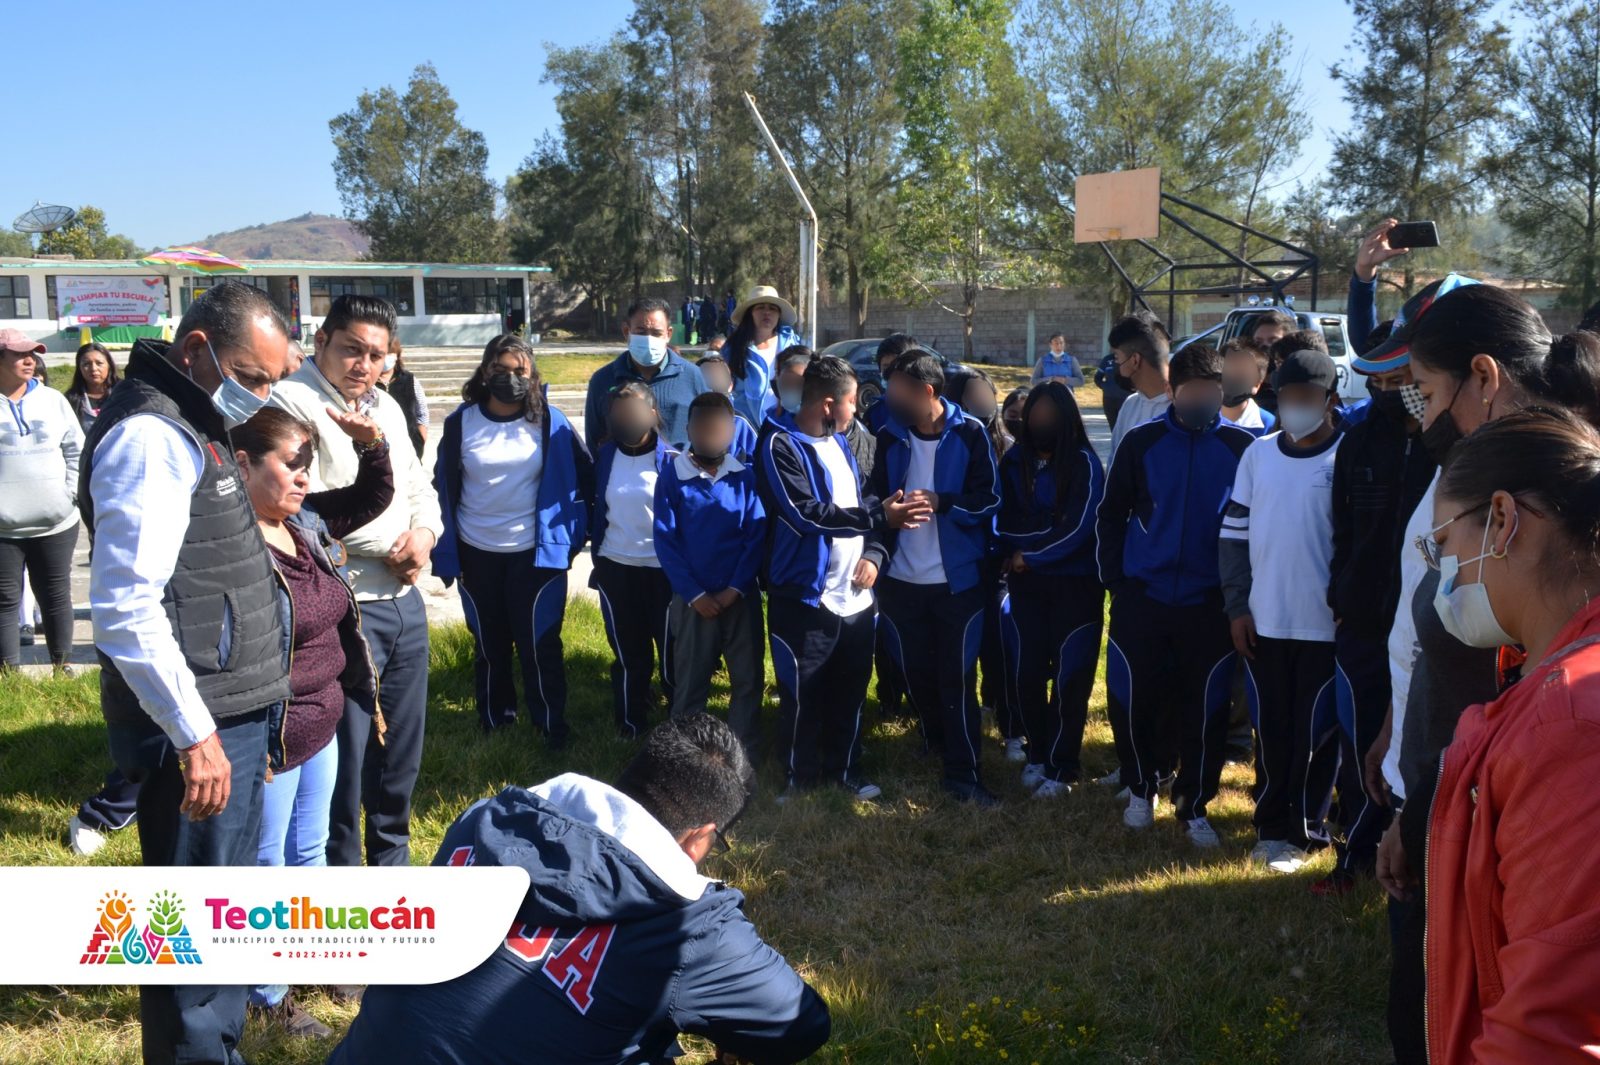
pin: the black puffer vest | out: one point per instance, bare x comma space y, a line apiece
222, 599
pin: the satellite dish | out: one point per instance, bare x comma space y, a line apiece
43, 218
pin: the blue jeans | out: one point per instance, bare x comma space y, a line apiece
294, 828
192, 1024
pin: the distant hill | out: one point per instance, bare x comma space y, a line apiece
311, 237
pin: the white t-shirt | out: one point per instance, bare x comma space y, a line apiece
1136, 410
1290, 532
1250, 416
1403, 647
501, 465
839, 595
916, 552
631, 510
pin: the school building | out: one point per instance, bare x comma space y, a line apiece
120, 300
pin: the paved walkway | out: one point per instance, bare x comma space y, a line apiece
444, 604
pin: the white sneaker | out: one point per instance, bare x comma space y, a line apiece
1014, 751
83, 839
1052, 789
1111, 779
1289, 859
1266, 850
1032, 775
1201, 834
1141, 813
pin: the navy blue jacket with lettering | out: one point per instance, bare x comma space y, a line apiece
619, 945
964, 478
1162, 515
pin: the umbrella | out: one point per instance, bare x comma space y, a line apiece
191, 257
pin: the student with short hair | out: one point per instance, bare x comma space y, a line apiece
634, 591
1051, 485
1139, 345
823, 554
1275, 549
651, 361
709, 532
1057, 363
1244, 371
714, 368
933, 594
890, 348
1169, 659
1271, 326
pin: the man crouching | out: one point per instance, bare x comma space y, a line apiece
621, 943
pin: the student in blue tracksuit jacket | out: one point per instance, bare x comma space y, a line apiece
932, 593
709, 531
514, 483
890, 348
763, 325
1169, 655
1051, 484
634, 592
620, 943
714, 368
823, 554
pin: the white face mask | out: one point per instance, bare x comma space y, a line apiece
1464, 609
1300, 422
389, 361
647, 350
236, 403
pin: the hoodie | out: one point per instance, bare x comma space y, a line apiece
619, 945
39, 446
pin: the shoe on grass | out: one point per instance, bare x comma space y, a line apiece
83, 839
1052, 789
1014, 751
1266, 850
972, 792
293, 1021
1201, 834
1289, 859
1032, 775
1141, 813
861, 788
25, 635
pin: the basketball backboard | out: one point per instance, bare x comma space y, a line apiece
1121, 205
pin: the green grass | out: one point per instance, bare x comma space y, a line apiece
566, 371
1040, 932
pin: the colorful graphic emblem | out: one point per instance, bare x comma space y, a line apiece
118, 940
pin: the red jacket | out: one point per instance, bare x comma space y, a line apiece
1513, 870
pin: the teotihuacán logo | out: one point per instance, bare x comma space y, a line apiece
117, 939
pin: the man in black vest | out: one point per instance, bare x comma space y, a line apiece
186, 624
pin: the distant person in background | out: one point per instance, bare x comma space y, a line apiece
635, 595
650, 361
514, 483
725, 321
403, 385
714, 368
715, 345
1139, 345
1058, 363
763, 326
1244, 373
40, 442
94, 376
707, 323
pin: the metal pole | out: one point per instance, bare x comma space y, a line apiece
808, 231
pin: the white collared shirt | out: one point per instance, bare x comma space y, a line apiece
687, 470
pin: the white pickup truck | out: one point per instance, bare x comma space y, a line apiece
1241, 321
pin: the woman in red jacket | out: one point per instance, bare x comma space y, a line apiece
1511, 870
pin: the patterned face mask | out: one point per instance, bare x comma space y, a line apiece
1415, 404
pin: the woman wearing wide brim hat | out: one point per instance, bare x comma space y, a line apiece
763, 326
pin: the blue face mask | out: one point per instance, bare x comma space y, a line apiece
236, 403
647, 350
789, 397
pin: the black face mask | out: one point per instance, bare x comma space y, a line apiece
1118, 371
1014, 427
1197, 414
1235, 392
508, 388
1444, 433
1388, 402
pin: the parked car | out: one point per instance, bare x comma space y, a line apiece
862, 355
1241, 322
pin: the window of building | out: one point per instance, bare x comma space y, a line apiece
462, 295
400, 291
14, 302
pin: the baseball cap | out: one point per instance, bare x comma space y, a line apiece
1395, 352
1307, 367
17, 340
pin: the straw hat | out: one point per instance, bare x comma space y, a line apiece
764, 294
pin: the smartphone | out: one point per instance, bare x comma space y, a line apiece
1414, 235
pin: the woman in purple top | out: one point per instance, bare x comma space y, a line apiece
328, 657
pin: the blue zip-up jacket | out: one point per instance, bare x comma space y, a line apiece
802, 518
1361, 313
619, 945
709, 533
1161, 518
603, 462
966, 480
561, 511
752, 393
1053, 539
877, 414
675, 385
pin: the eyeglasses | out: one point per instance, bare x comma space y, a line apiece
1430, 546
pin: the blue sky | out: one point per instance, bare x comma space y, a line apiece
196, 121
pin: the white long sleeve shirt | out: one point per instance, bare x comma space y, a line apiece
144, 476
1403, 645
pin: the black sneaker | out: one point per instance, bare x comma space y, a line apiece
25, 635
294, 1021
345, 993
972, 792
